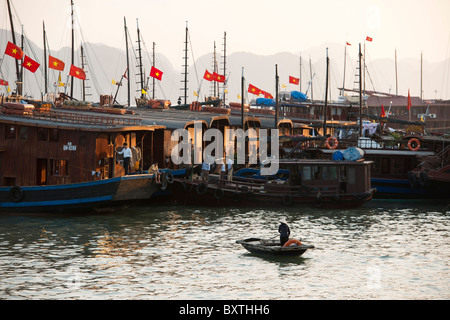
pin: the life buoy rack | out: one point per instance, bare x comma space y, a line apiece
16, 193
332, 145
201, 188
169, 177
292, 241
412, 142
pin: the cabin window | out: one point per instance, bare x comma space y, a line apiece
59, 167
11, 132
306, 173
351, 175
23, 133
42, 134
329, 173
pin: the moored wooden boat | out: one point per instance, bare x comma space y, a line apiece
85, 197
273, 247
316, 183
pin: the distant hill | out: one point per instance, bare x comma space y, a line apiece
106, 63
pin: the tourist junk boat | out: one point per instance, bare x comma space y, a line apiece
273, 247
65, 161
317, 183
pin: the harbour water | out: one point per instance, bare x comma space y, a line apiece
386, 250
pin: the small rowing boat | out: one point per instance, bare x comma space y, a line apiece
273, 247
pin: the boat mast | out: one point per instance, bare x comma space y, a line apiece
421, 75
45, 60
140, 59
185, 65
326, 99
360, 93
224, 63
153, 64
300, 81
127, 72
311, 75
242, 99
276, 96
84, 81
214, 68
396, 76
73, 50
345, 62
18, 83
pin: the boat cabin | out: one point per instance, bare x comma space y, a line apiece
61, 147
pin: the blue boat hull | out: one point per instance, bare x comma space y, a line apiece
107, 194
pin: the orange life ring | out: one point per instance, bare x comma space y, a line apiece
417, 143
297, 242
335, 143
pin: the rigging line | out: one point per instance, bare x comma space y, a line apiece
193, 59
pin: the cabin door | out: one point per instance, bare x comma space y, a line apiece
41, 172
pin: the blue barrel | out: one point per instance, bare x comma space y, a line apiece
338, 155
353, 154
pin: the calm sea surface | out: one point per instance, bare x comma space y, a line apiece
386, 250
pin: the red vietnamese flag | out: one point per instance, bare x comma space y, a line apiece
349, 44
13, 51
56, 64
409, 101
253, 89
30, 64
369, 39
3, 82
155, 73
294, 80
208, 76
77, 72
219, 78
383, 113
267, 95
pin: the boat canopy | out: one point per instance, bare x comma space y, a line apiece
298, 96
265, 102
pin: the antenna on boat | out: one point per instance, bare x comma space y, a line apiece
224, 64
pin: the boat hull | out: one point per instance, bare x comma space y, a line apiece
214, 195
271, 247
94, 196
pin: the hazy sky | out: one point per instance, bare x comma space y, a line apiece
258, 26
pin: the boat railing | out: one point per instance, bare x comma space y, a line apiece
81, 118
276, 187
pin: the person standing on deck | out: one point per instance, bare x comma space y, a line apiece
284, 231
126, 157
